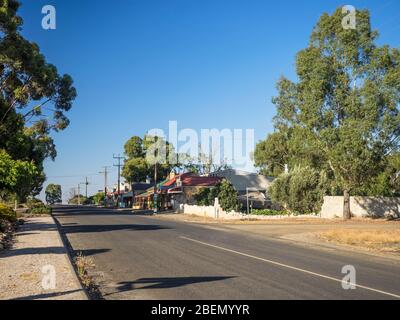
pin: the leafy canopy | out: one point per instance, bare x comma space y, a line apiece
53, 194
341, 116
34, 98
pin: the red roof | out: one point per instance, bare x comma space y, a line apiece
192, 180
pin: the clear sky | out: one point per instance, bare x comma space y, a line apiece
205, 63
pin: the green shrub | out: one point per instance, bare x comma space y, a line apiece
43, 209
6, 213
34, 202
203, 197
269, 212
224, 191
299, 191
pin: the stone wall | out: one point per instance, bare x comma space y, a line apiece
361, 207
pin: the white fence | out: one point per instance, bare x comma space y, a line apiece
332, 208
361, 207
217, 213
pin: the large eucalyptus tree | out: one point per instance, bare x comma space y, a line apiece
342, 113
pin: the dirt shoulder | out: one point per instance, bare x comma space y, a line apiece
37, 266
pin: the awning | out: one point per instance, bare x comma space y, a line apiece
175, 190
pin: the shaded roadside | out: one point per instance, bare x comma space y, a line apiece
37, 266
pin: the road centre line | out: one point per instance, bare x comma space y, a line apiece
288, 266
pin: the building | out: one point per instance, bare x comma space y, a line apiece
250, 186
177, 189
135, 190
183, 187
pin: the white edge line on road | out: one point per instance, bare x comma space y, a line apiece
289, 267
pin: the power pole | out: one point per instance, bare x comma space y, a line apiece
155, 178
86, 185
119, 165
79, 193
105, 184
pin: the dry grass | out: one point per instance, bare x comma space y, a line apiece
381, 240
83, 265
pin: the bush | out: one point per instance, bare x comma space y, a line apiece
8, 214
300, 191
43, 209
34, 202
269, 212
203, 197
228, 197
224, 191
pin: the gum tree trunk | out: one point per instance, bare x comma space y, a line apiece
346, 205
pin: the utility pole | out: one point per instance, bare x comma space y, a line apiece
86, 185
119, 165
155, 177
105, 184
79, 193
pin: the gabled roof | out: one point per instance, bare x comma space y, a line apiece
243, 179
192, 180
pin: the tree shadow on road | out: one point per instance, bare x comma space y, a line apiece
90, 252
48, 295
165, 283
110, 227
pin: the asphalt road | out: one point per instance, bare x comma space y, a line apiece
145, 257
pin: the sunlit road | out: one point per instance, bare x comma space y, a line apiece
145, 257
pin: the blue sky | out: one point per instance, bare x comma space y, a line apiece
207, 64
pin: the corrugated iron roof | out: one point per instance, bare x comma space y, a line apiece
192, 180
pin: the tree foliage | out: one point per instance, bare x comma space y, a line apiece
34, 98
202, 165
99, 197
141, 155
53, 194
342, 115
16, 176
77, 199
224, 191
300, 191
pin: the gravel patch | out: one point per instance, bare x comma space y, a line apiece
27, 269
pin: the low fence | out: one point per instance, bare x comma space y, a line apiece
361, 207
217, 213
332, 208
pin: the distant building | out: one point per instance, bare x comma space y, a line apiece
183, 187
177, 189
253, 185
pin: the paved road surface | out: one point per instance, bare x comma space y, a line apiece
145, 257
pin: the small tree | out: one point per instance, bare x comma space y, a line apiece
224, 191
202, 197
228, 197
99, 197
53, 194
77, 199
299, 191
16, 176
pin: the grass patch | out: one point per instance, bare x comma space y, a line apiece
83, 266
381, 240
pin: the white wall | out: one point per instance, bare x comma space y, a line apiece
217, 213
361, 207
